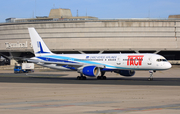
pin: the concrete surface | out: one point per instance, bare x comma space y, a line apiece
60, 93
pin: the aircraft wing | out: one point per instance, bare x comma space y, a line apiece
59, 63
76, 65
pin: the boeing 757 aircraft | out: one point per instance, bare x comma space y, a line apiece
93, 65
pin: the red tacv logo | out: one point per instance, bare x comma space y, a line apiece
135, 60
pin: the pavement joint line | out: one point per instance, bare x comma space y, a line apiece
150, 108
30, 102
59, 105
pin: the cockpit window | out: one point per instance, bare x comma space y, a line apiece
159, 60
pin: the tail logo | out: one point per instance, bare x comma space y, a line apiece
41, 49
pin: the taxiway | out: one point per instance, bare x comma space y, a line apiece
59, 92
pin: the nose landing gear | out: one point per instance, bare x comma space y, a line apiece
151, 75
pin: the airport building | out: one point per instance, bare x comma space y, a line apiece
64, 33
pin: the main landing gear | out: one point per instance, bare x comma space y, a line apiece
102, 77
151, 75
81, 77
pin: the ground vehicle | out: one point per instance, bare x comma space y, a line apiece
24, 68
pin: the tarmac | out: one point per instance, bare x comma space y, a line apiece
49, 91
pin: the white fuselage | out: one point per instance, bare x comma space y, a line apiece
93, 64
110, 61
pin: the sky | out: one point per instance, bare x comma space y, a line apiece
103, 9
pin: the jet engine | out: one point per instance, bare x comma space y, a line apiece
125, 72
90, 71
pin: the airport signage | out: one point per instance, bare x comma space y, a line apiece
16, 45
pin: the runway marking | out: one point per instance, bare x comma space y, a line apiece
46, 75
58, 105
151, 108
30, 102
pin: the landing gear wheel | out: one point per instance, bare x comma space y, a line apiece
81, 77
84, 78
78, 77
151, 75
150, 79
98, 77
101, 77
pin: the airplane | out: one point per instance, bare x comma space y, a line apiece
93, 65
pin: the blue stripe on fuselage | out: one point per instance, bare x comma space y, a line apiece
55, 58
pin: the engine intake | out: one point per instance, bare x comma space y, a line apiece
90, 71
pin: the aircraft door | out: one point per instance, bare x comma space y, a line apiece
118, 60
149, 61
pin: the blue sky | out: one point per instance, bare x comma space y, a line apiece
97, 8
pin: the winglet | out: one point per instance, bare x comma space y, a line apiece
38, 44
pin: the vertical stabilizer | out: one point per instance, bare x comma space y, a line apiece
38, 44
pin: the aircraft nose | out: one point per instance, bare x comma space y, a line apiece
168, 65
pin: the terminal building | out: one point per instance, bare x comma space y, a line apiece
64, 33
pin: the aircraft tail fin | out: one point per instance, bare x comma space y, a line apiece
38, 44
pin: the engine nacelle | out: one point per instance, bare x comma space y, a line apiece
126, 72
90, 71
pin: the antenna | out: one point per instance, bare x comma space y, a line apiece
33, 14
35, 8
149, 14
86, 12
77, 13
53, 6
